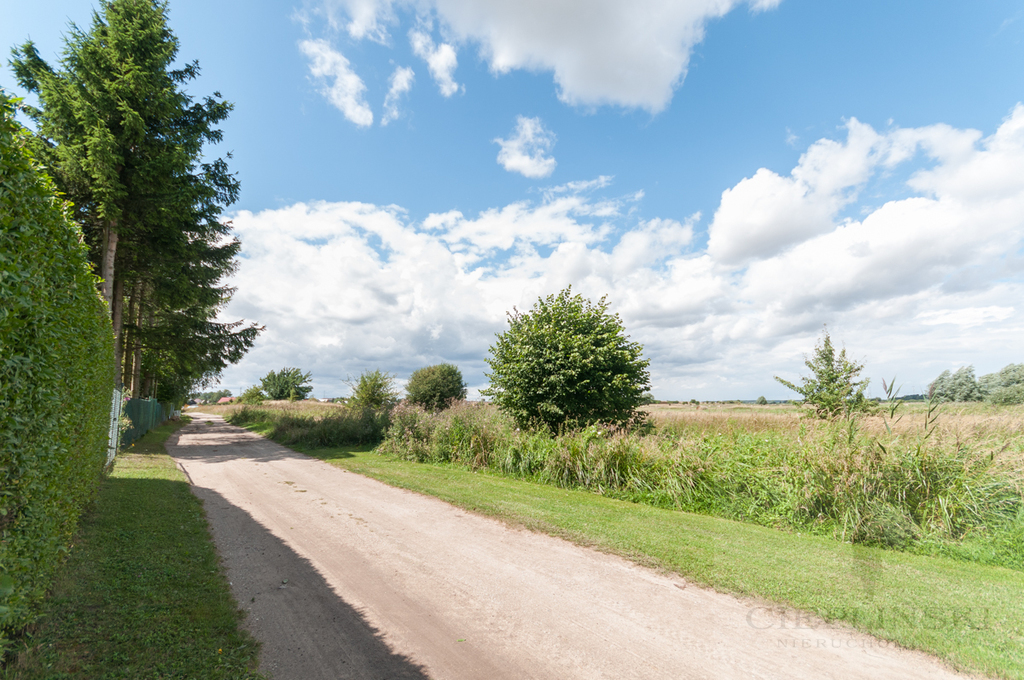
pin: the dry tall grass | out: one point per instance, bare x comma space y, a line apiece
957, 488
967, 421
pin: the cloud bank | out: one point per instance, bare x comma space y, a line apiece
913, 285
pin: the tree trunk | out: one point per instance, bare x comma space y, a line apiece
109, 254
116, 314
152, 375
131, 335
137, 348
137, 371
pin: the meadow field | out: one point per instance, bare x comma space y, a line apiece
950, 483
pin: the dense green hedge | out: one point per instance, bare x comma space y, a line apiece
56, 377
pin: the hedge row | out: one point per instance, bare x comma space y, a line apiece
56, 377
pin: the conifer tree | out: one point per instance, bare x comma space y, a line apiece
832, 389
123, 141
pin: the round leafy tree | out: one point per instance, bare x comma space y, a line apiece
375, 390
960, 386
436, 387
1004, 387
288, 383
567, 362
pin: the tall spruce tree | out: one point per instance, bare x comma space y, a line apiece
123, 141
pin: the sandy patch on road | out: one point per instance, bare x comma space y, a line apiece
345, 577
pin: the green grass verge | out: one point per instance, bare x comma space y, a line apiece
967, 614
142, 594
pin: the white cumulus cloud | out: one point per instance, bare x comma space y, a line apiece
765, 213
956, 233
926, 281
400, 83
631, 53
526, 152
441, 60
339, 83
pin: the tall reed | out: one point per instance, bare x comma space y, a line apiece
903, 488
315, 427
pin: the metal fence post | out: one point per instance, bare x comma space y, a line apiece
114, 434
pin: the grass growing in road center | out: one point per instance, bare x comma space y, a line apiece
142, 594
966, 613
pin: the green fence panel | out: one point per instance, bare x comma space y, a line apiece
144, 414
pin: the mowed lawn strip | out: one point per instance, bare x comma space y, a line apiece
967, 614
143, 594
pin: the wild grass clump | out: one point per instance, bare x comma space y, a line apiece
315, 428
935, 491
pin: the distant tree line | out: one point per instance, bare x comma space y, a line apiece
213, 396
432, 387
125, 144
1005, 386
833, 391
566, 363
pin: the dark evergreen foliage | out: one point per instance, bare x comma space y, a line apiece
125, 143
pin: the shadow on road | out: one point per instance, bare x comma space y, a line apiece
308, 632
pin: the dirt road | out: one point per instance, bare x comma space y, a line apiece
345, 577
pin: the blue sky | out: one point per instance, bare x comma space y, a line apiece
733, 175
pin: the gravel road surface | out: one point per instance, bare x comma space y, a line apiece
345, 577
